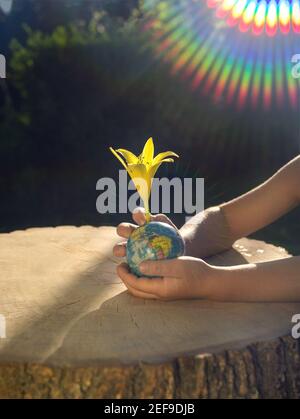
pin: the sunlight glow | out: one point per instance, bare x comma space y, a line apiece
271, 16
230, 66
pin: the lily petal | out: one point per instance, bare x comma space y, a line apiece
148, 152
167, 161
118, 157
164, 155
128, 156
141, 180
153, 169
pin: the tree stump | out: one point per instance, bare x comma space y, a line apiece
73, 331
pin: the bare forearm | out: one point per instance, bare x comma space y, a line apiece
264, 204
216, 229
207, 234
264, 282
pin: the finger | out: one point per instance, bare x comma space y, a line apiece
147, 285
176, 268
140, 294
139, 216
133, 291
119, 250
163, 219
125, 229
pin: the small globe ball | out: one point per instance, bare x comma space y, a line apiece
153, 241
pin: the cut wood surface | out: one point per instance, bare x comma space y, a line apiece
72, 329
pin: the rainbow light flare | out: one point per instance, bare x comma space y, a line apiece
271, 16
226, 65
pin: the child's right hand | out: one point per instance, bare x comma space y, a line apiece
124, 230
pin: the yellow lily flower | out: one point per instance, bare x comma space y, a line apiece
142, 168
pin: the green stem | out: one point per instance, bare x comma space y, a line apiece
147, 212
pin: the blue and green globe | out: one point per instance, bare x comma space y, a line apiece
153, 241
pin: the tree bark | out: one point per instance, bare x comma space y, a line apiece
263, 370
74, 332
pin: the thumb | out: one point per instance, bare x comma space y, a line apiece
139, 216
177, 268
163, 219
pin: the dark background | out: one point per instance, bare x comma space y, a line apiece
79, 80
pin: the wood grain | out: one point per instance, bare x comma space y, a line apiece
74, 331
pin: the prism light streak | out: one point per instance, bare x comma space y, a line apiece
234, 68
259, 16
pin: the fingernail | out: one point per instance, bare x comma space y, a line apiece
143, 267
138, 210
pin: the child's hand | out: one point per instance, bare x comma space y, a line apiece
125, 229
180, 278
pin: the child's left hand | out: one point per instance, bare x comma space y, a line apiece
180, 278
